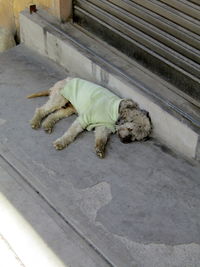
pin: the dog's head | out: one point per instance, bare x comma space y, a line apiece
133, 124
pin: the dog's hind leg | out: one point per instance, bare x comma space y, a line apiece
69, 135
102, 134
55, 102
50, 121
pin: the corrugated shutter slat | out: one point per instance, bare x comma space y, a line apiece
163, 36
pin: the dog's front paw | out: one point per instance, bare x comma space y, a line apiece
100, 152
59, 144
35, 124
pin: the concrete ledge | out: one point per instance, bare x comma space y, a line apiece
83, 56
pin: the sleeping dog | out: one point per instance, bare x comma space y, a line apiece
97, 108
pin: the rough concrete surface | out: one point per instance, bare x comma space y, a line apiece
140, 206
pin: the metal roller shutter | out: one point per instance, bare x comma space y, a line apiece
163, 36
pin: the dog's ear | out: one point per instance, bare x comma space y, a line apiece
128, 104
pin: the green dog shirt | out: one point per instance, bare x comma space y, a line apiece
95, 105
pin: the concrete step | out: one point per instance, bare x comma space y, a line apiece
139, 206
176, 121
30, 227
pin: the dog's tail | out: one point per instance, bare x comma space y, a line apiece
41, 93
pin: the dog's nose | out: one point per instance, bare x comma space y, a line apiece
126, 139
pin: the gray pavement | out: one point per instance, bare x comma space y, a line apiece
140, 206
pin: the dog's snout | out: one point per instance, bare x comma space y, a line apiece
127, 139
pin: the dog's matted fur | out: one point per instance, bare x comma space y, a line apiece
132, 124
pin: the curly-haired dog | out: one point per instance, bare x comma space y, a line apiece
97, 108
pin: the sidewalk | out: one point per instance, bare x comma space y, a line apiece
140, 206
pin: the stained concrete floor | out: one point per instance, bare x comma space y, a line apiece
140, 206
